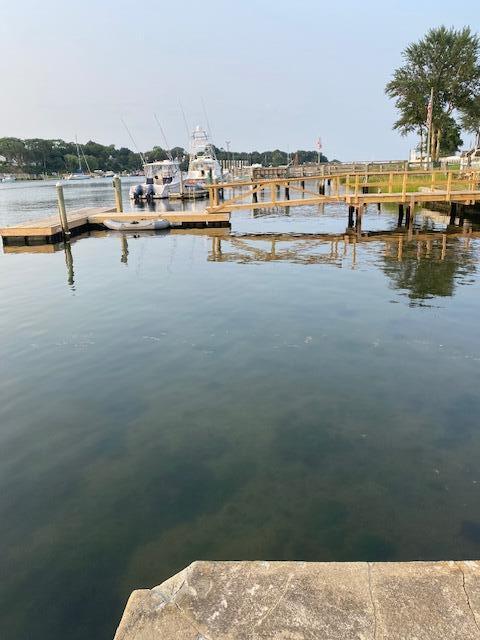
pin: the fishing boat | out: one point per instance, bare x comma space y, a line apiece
203, 165
137, 225
161, 179
79, 175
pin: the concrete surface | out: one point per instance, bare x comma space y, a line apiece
309, 601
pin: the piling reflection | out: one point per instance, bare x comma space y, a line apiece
425, 265
430, 267
124, 258
69, 262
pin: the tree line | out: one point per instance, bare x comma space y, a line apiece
444, 63
37, 156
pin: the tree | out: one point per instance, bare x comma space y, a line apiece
471, 119
447, 61
13, 149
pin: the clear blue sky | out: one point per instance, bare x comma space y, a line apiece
272, 73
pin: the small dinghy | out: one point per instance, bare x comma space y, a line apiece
137, 225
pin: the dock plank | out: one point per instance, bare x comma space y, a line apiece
50, 225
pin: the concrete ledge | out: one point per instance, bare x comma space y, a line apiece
309, 601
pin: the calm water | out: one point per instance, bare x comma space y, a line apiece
180, 397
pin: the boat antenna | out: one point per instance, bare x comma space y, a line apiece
142, 157
209, 130
167, 148
185, 122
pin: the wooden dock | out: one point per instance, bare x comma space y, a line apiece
355, 190
49, 229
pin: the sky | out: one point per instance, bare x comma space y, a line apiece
271, 73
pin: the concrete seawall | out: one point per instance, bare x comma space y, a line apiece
309, 601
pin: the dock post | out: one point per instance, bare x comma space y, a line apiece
358, 218
400, 215
117, 185
287, 191
273, 192
255, 194
351, 209
453, 212
62, 211
408, 216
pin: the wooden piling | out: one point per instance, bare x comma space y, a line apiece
351, 210
62, 211
408, 216
117, 186
453, 213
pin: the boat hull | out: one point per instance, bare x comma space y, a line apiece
159, 191
137, 225
78, 176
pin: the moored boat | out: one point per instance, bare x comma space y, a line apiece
161, 179
79, 175
203, 165
137, 225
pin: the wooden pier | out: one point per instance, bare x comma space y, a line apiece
355, 189
49, 229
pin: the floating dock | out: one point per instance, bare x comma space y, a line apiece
49, 230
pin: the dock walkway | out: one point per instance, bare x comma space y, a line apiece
49, 229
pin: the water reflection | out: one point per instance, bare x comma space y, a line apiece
124, 241
69, 263
244, 403
424, 264
430, 267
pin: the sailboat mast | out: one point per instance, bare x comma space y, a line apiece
78, 155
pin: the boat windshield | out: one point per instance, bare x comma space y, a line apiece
160, 170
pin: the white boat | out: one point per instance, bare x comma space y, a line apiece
161, 179
137, 225
78, 176
203, 165
8, 178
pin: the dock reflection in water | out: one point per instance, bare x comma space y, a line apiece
208, 394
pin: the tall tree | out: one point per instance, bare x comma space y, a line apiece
471, 119
447, 61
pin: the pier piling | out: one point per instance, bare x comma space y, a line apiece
117, 185
408, 216
351, 209
62, 211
